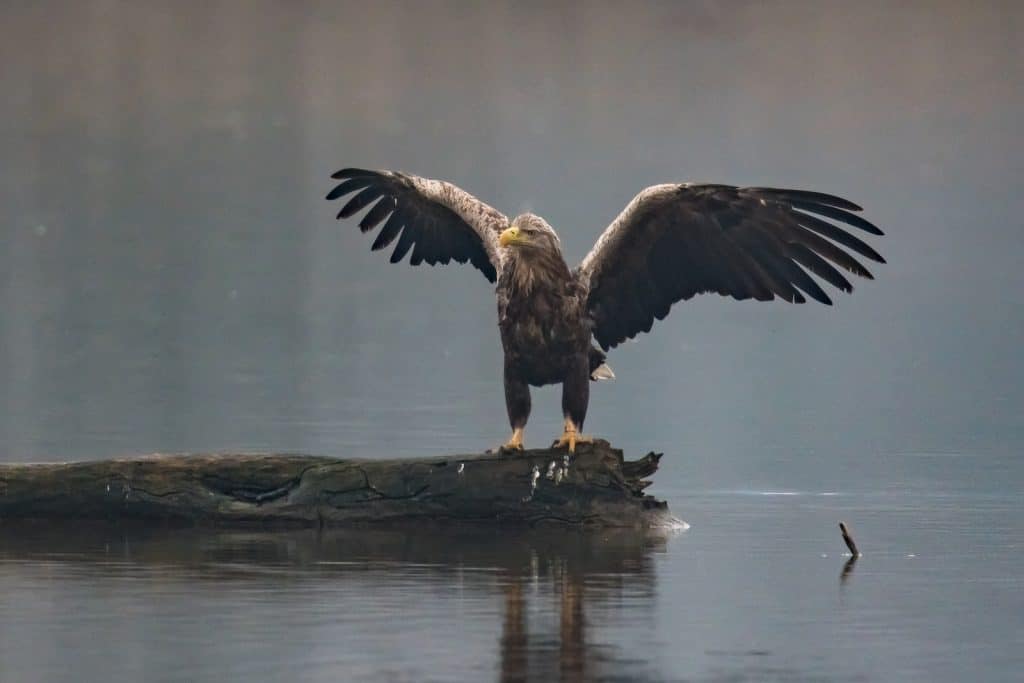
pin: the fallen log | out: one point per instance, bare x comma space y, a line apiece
595, 486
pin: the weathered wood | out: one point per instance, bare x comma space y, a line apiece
594, 487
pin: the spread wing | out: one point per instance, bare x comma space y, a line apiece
676, 241
438, 221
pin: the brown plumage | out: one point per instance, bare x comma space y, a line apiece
670, 243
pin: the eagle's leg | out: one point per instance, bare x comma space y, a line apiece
575, 397
517, 402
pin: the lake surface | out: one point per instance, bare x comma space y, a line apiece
758, 589
171, 280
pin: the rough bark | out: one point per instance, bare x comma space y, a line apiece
594, 487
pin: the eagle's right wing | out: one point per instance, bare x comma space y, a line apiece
438, 221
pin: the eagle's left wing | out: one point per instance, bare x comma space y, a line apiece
675, 241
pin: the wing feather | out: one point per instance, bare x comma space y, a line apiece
405, 243
818, 245
436, 220
379, 212
350, 185
360, 201
673, 242
389, 232
837, 234
838, 215
817, 265
805, 196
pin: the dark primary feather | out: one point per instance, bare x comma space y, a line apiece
435, 220
389, 232
805, 196
676, 241
360, 201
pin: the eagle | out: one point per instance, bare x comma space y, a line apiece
670, 243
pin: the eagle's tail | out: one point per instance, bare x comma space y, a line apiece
599, 370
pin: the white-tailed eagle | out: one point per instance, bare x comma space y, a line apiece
670, 243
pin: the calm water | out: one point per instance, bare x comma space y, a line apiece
172, 280
756, 590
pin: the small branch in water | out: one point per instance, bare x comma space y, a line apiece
848, 539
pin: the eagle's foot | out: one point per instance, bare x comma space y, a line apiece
570, 437
515, 443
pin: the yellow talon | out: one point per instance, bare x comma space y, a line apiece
570, 437
516, 442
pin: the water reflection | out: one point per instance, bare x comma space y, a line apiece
621, 562
547, 592
847, 571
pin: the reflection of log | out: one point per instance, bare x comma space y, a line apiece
572, 628
549, 580
515, 638
533, 487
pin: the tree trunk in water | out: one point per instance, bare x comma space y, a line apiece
596, 486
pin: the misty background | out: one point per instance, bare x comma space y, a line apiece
171, 279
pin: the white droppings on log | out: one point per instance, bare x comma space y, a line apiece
534, 476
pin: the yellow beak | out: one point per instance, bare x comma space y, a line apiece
510, 236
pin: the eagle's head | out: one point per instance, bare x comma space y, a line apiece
534, 253
530, 233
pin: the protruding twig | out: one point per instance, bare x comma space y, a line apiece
848, 539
